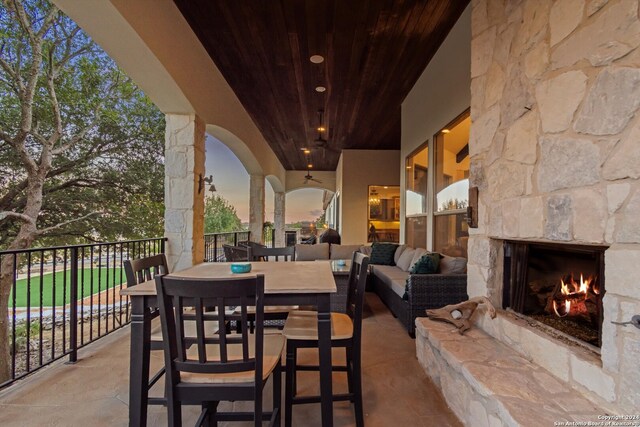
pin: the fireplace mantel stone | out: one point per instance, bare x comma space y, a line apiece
487, 383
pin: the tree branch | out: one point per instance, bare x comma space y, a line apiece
7, 67
18, 8
22, 217
62, 224
55, 104
48, 21
5, 136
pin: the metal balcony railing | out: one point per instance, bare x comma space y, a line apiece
63, 298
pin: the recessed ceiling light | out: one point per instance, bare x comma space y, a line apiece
320, 89
445, 131
386, 186
317, 59
307, 151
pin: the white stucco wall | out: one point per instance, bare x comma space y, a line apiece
439, 96
357, 169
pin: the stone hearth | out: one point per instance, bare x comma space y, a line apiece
487, 383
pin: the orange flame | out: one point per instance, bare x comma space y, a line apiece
572, 288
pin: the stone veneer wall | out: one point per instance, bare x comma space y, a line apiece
555, 152
184, 205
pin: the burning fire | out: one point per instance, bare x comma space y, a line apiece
574, 291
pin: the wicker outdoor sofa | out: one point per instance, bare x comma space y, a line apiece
409, 295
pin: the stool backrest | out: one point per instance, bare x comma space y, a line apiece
355, 297
287, 253
183, 299
144, 269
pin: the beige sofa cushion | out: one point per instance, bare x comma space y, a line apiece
399, 250
404, 262
417, 255
343, 251
312, 252
393, 277
452, 265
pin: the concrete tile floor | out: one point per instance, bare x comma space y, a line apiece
94, 392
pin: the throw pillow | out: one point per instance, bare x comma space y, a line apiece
427, 264
382, 253
404, 262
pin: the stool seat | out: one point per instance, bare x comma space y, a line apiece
301, 331
303, 325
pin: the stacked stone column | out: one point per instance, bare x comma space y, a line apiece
256, 207
279, 210
184, 202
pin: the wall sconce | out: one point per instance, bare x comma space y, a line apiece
472, 208
208, 180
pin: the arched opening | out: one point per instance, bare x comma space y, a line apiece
305, 212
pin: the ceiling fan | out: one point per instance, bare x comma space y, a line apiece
308, 178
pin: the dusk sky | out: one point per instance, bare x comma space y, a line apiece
232, 183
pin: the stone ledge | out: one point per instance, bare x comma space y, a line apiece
488, 384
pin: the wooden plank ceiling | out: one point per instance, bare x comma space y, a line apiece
374, 52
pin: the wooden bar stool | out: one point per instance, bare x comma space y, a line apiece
301, 331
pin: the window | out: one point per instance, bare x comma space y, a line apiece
416, 196
451, 150
417, 181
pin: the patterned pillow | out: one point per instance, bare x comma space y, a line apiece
427, 264
382, 253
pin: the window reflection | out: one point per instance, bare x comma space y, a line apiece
452, 188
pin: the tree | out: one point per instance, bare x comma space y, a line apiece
80, 145
220, 216
321, 221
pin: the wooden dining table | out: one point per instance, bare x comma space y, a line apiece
286, 283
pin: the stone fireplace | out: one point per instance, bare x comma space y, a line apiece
558, 286
555, 97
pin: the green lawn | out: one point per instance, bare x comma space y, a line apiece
60, 297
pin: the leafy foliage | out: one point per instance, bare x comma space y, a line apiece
107, 136
220, 216
81, 147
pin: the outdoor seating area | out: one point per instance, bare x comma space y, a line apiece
320, 213
96, 390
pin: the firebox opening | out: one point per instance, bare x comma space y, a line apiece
558, 285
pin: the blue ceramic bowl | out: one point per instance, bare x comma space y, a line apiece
244, 267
